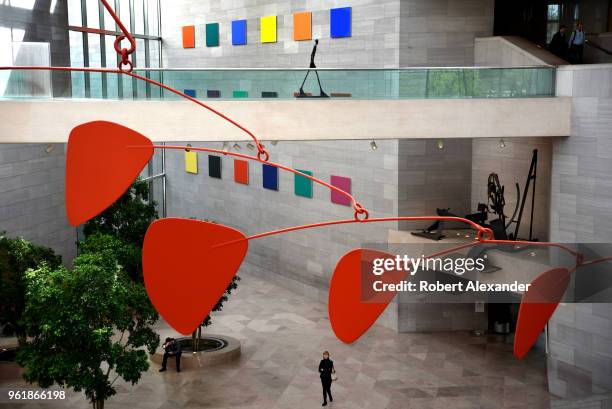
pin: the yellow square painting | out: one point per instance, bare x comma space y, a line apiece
191, 162
268, 29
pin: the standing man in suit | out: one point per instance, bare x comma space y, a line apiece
171, 348
326, 368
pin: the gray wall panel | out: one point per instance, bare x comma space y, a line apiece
32, 196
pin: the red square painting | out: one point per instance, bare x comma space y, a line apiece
241, 171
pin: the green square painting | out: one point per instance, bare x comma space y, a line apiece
240, 94
212, 35
303, 186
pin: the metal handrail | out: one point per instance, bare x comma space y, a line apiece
600, 48
347, 69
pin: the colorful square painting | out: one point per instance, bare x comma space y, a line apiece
239, 32
341, 183
188, 36
340, 22
190, 92
270, 177
214, 166
303, 186
302, 27
213, 93
191, 162
240, 94
212, 35
268, 29
241, 171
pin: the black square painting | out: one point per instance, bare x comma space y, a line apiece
214, 166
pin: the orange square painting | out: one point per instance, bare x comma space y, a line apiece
302, 27
241, 171
189, 37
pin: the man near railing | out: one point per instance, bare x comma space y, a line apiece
576, 44
558, 44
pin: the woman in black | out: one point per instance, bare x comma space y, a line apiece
326, 368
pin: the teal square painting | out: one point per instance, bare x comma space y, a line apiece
303, 186
212, 35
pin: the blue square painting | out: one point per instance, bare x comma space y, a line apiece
239, 33
190, 92
340, 22
270, 177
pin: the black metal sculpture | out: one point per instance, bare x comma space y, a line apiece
312, 66
495, 205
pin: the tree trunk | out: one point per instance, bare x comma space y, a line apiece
98, 403
199, 336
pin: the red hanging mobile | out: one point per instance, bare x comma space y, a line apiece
188, 264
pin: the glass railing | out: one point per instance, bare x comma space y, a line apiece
229, 84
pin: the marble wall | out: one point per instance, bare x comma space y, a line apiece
374, 41
580, 360
439, 33
32, 196
385, 33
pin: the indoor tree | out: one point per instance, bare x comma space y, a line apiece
16, 257
197, 334
87, 326
128, 220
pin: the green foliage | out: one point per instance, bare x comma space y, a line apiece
219, 305
16, 257
128, 220
87, 326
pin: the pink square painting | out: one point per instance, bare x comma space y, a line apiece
344, 184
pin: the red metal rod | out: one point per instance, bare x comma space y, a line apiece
596, 261
123, 29
534, 243
260, 148
347, 221
257, 159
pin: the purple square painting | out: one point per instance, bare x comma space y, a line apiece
344, 184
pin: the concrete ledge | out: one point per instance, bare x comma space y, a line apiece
166, 121
201, 359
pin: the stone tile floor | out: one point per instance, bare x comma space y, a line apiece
283, 336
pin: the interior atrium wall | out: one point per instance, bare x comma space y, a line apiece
439, 33
374, 41
32, 196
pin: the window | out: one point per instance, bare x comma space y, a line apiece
92, 36
74, 13
93, 13
552, 21
576, 12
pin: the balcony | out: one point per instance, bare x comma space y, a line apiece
363, 104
